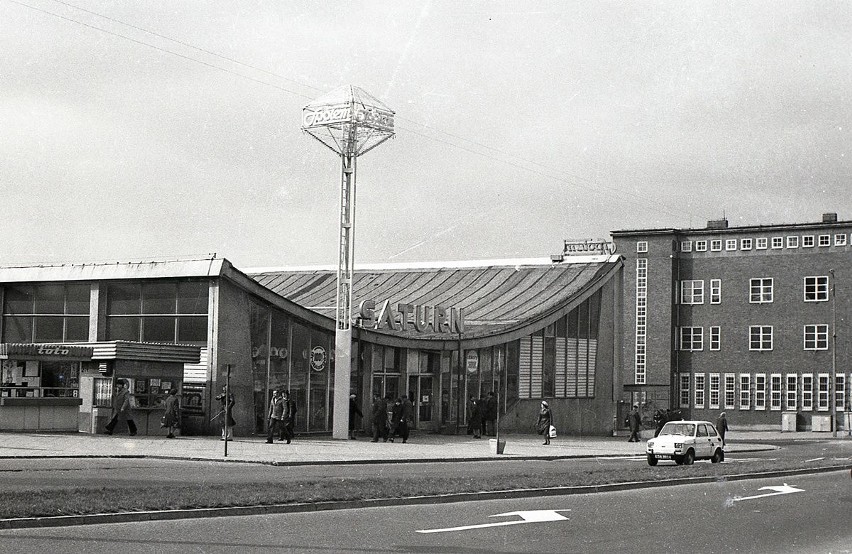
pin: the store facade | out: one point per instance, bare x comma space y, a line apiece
524, 329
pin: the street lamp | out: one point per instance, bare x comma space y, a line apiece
832, 387
350, 122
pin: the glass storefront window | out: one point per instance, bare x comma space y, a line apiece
48, 329
158, 329
46, 313
174, 312
50, 300
159, 298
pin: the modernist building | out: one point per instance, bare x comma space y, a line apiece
440, 333
741, 320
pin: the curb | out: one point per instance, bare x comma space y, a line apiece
163, 515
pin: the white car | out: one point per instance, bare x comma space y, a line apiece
686, 441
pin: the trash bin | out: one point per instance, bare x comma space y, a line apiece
497, 446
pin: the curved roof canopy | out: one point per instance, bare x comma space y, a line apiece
495, 297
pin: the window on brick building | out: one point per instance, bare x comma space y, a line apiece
716, 245
792, 242
745, 244
761, 243
642, 246
823, 398
715, 385
807, 392
684, 390
692, 338
692, 292
730, 390
701, 246
686, 246
816, 337
760, 391
715, 338
731, 244
775, 391
808, 241
745, 391
715, 291
816, 288
840, 240
760, 337
760, 290
792, 391
777, 242
824, 240
699, 390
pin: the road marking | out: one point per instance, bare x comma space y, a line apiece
532, 516
779, 489
814, 460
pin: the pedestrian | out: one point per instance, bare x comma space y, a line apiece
491, 411
226, 403
121, 409
635, 421
276, 416
395, 420
380, 418
471, 405
407, 419
475, 423
722, 426
659, 421
483, 415
288, 422
171, 418
354, 410
545, 421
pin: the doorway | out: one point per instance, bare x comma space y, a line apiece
420, 393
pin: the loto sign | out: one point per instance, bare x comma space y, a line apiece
410, 317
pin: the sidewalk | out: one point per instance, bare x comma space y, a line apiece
421, 447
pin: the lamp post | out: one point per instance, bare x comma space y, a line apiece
832, 387
350, 122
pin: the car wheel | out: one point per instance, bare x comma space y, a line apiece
679, 460
652, 460
689, 457
717, 456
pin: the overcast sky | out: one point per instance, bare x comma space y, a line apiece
155, 129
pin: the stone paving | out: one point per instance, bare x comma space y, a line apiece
325, 450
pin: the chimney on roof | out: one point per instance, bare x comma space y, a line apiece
830, 217
718, 223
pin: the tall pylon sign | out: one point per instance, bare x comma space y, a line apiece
351, 122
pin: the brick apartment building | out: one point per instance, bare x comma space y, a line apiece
740, 320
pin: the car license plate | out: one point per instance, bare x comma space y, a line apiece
663, 456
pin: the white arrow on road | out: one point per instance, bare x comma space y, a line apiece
782, 489
532, 516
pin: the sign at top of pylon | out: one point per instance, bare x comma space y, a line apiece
348, 115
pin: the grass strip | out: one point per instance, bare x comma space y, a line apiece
103, 498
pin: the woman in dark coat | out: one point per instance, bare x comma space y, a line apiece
545, 420
475, 422
171, 418
354, 410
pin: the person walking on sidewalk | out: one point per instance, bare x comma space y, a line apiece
354, 410
380, 418
407, 419
289, 419
722, 426
276, 416
226, 401
545, 420
121, 409
475, 417
491, 412
634, 419
171, 418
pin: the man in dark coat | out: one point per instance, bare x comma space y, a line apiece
722, 426
475, 417
659, 421
635, 421
380, 418
354, 410
491, 412
289, 419
276, 416
121, 409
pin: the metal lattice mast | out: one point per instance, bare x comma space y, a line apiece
350, 122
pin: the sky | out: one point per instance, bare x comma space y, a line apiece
163, 129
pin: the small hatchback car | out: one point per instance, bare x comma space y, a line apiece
686, 441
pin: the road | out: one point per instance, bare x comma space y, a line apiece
66, 473
796, 514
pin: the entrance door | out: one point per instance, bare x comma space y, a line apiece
420, 394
